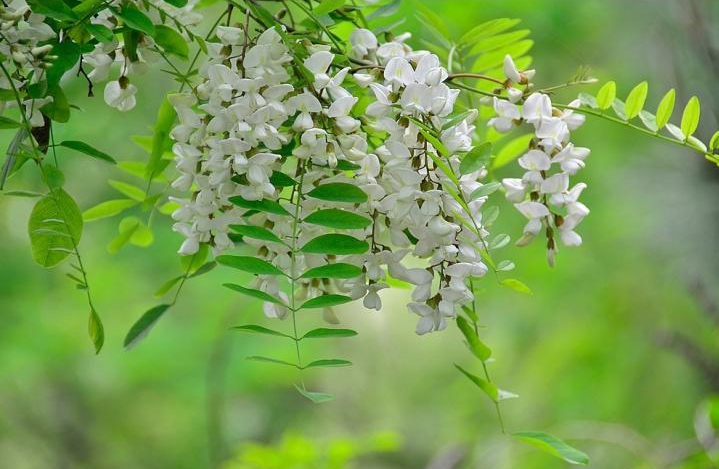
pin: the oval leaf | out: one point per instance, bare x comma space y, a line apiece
636, 99
325, 333
340, 219
316, 397
255, 329
330, 362
264, 296
665, 109
337, 270
136, 20
143, 325
250, 264
488, 388
338, 192
96, 330
475, 159
690, 117
256, 232
83, 147
337, 244
265, 205
108, 208
55, 228
171, 41
554, 446
606, 95
324, 301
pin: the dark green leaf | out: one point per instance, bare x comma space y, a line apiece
330, 362
257, 232
270, 360
325, 333
250, 264
55, 222
177, 3
167, 286
171, 41
96, 330
265, 205
324, 301
488, 388
205, 268
337, 244
68, 53
252, 328
83, 147
279, 179
135, 19
338, 192
100, 32
476, 158
337, 270
336, 218
142, 327
554, 446
478, 348
264, 296
55, 9
316, 397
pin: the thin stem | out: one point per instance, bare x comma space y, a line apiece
293, 263
478, 76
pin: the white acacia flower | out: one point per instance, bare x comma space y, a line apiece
120, 94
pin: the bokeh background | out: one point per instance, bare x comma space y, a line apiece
616, 351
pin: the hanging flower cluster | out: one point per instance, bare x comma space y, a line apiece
245, 124
21, 32
543, 194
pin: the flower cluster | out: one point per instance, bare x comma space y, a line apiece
543, 194
21, 31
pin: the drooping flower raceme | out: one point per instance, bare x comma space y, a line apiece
543, 194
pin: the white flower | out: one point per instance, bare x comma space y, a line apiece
120, 94
510, 70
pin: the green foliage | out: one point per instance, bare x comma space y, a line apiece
142, 327
55, 228
554, 446
338, 192
83, 147
337, 244
249, 264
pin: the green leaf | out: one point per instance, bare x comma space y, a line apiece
499, 241
171, 41
129, 190
100, 32
488, 28
475, 159
142, 327
512, 150
207, 267
29, 194
316, 397
131, 230
554, 446
516, 285
324, 301
337, 244
68, 53
329, 362
249, 264
265, 205
665, 109
270, 360
478, 348
83, 147
256, 232
160, 139
336, 270
280, 179
167, 286
135, 19
714, 141
636, 99
54, 177
264, 296
338, 192
606, 95
55, 9
336, 218
327, 6
489, 388
191, 264
96, 330
252, 328
325, 333
690, 117
109, 208
7, 123
486, 189
177, 3
55, 228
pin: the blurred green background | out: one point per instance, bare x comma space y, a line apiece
615, 351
